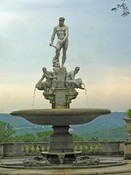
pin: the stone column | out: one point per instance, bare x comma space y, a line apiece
61, 140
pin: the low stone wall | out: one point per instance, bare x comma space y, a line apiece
31, 149
22, 149
93, 148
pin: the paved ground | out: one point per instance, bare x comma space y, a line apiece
122, 174
115, 170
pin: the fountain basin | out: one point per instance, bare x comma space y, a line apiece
61, 117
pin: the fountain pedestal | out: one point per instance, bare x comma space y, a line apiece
59, 94
61, 146
61, 140
61, 158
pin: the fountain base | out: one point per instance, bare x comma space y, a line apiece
57, 158
61, 140
84, 162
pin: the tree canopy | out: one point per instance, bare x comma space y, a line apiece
7, 132
121, 7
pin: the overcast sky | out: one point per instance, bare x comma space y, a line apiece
99, 43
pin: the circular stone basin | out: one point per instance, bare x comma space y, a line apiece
60, 117
18, 164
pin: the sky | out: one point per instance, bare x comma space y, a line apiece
99, 43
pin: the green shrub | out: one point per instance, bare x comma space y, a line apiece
128, 113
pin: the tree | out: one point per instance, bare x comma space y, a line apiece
43, 135
77, 137
28, 137
7, 132
123, 7
93, 139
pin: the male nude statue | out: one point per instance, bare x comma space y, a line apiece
62, 33
50, 82
71, 82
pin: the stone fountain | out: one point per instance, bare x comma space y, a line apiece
60, 87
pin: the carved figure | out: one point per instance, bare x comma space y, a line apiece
36, 162
50, 82
62, 33
71, 82
86, 160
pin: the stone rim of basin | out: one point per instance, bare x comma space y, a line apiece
61, 117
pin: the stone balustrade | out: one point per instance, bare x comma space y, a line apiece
35, 148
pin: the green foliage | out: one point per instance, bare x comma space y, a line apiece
128, 113
93, 139
6, 132
77, 137
123, 7
107, 135
43, 135
28, 137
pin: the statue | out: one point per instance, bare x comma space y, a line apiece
59, 85
61, 31
71, 82
49, 84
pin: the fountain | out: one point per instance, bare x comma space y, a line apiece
59, 87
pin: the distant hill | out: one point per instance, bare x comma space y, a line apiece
109, 127
21, 125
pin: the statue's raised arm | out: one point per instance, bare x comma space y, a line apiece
62, 32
